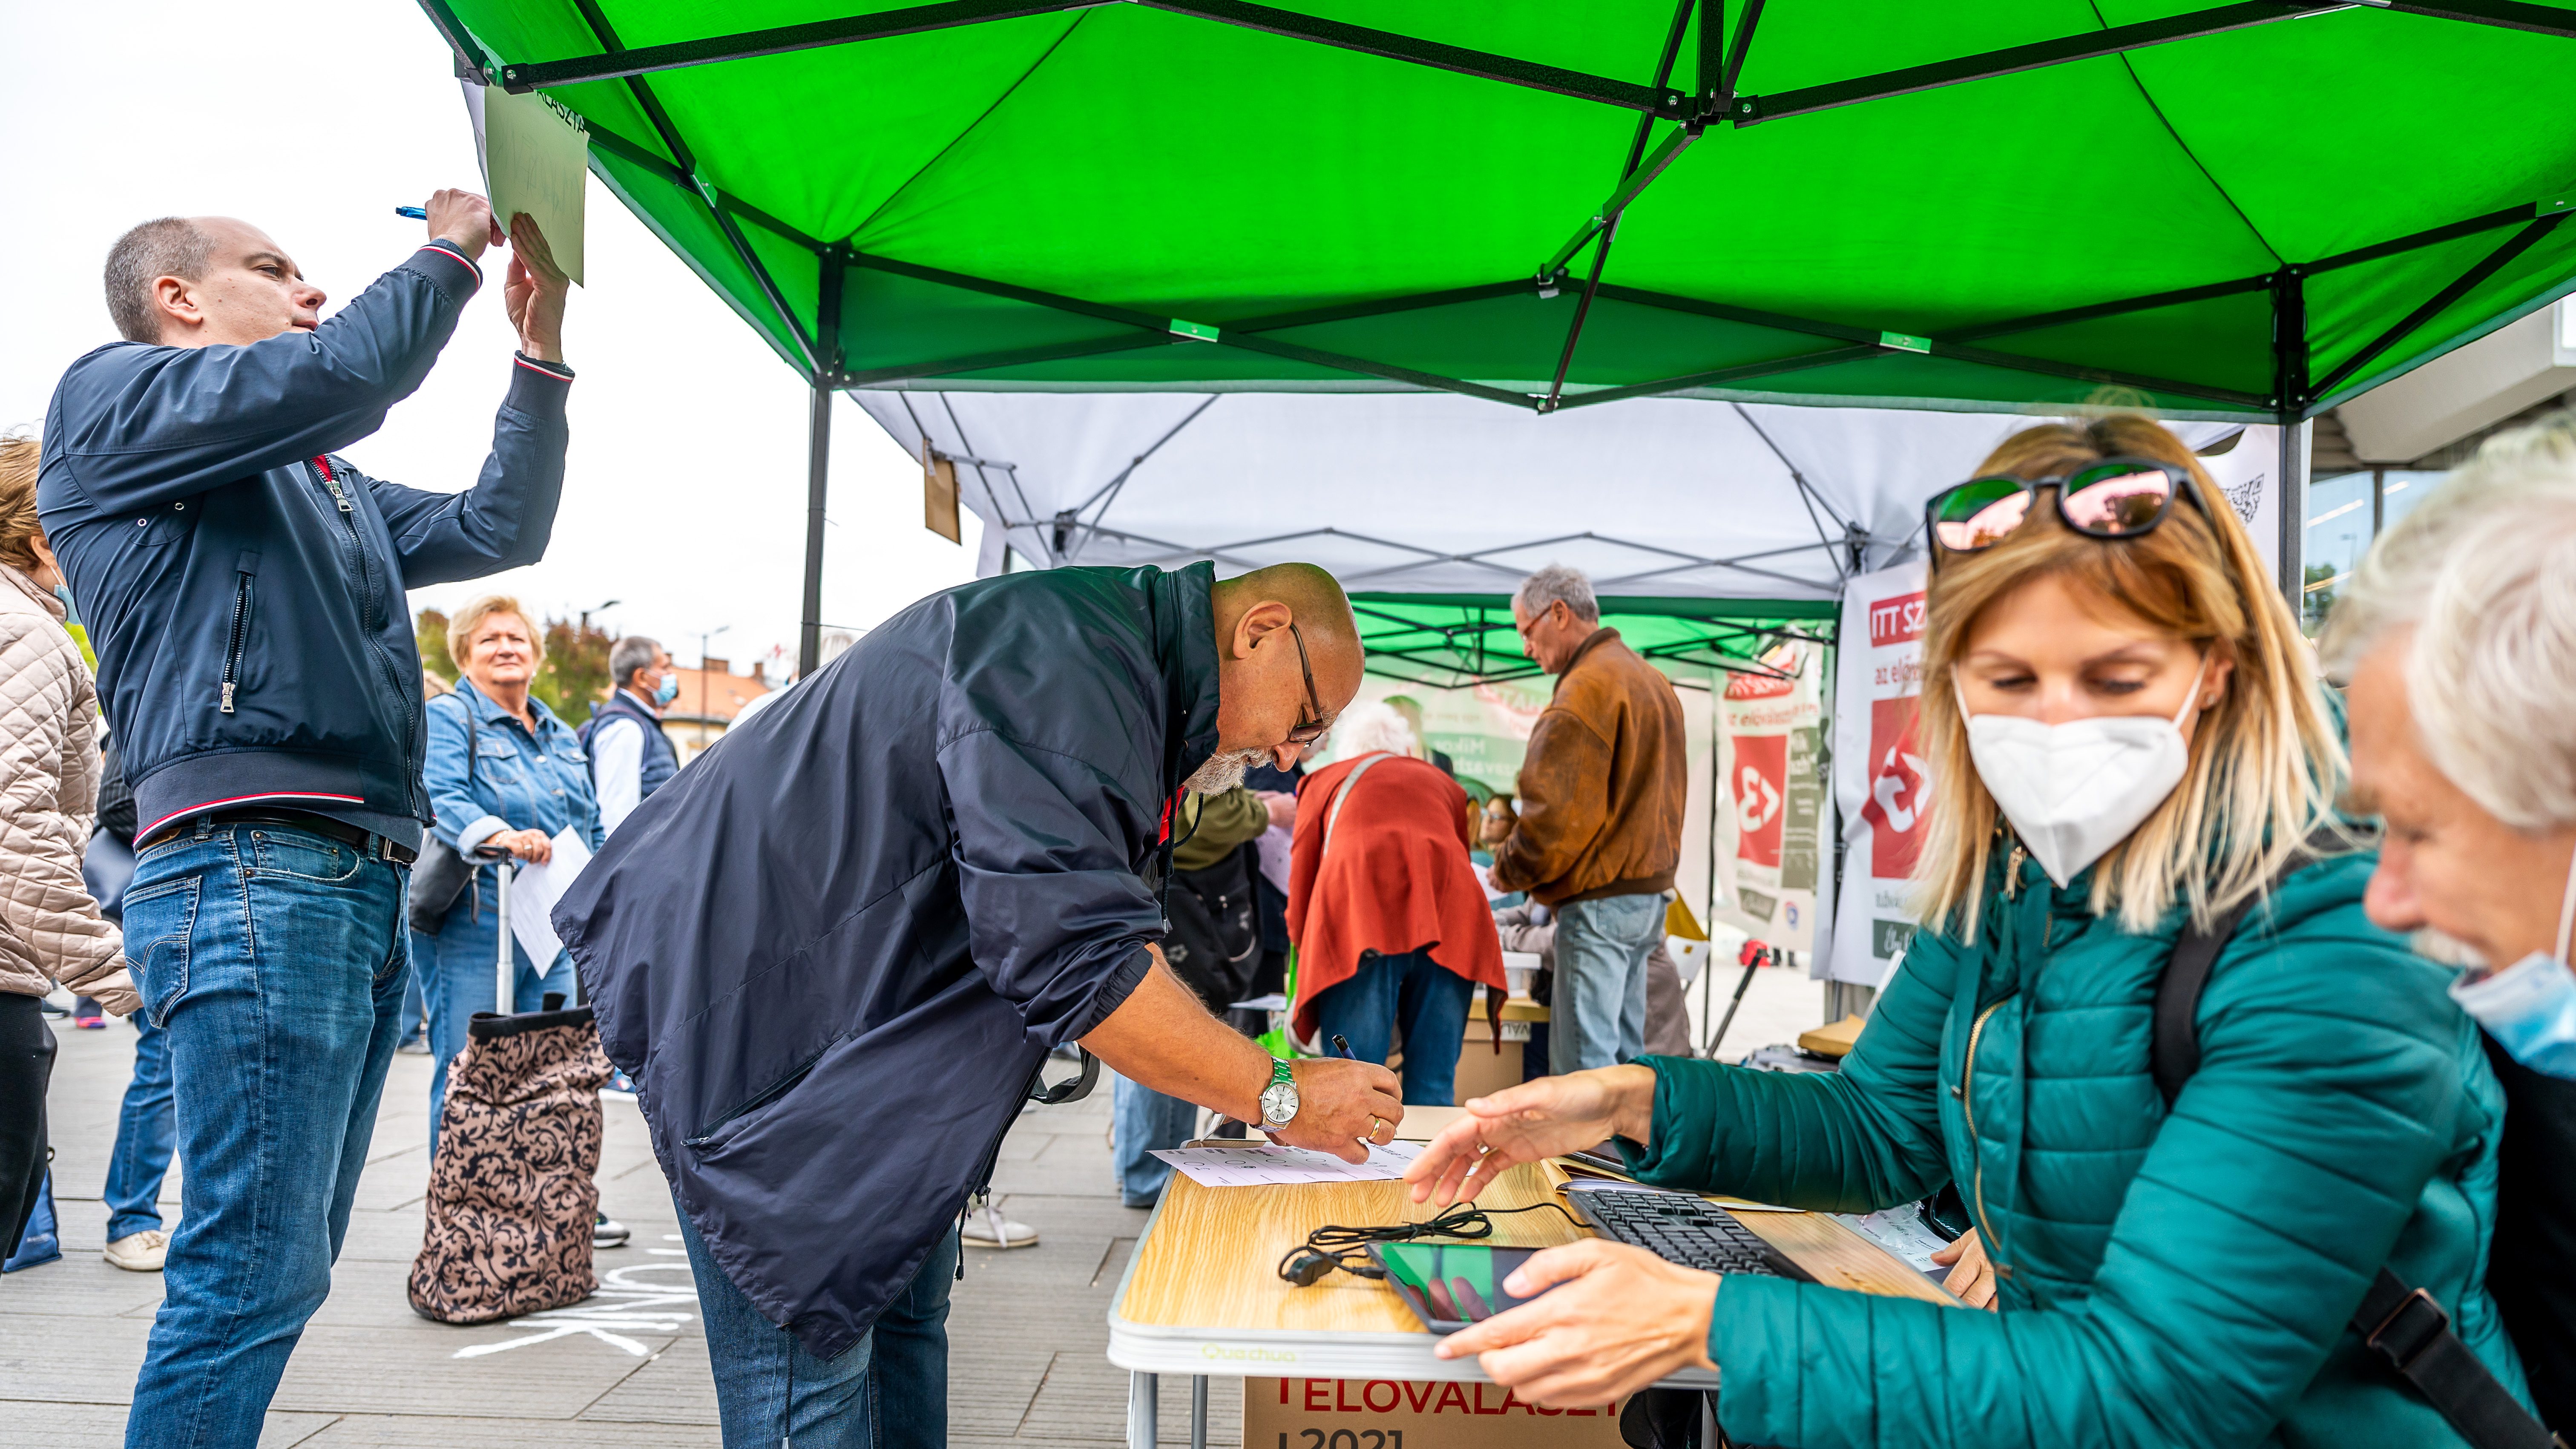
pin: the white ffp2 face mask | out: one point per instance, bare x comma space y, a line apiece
2074, 790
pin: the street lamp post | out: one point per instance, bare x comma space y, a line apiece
597, 609
706, 704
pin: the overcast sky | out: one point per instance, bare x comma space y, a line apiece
685, 492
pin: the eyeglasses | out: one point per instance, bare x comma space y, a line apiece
2115, 498
1311, 721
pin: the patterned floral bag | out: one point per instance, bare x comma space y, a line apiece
511, 1195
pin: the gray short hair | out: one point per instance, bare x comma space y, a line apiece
1557, 584
630, 654
2484, 571
168, 246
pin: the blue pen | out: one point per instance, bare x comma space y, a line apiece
1344, 1047
416, 213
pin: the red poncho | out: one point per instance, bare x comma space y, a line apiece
1398, 879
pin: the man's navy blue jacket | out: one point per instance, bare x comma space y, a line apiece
243, 587
834, 951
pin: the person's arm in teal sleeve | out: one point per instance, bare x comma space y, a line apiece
1857, 1140
2273, 1192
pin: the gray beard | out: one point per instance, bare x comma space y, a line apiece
2446, 950
1223, 771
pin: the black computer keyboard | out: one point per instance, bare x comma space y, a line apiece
1681, 1228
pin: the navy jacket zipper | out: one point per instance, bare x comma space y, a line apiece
240, 638
371, 618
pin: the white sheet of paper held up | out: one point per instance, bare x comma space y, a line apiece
534, 891
536, 161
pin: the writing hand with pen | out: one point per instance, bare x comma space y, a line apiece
534, 289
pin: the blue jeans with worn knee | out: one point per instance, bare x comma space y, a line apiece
1598, 1015
273, 959
145, 1127
887, 1391
1142, 1121
1427, 998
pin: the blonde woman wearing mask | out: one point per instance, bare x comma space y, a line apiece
2130, 739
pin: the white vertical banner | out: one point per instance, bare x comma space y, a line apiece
1882, 783
2249, 475
1774, 865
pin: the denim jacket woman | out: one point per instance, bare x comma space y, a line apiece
518, 781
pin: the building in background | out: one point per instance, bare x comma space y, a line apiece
709, 698
2376, 456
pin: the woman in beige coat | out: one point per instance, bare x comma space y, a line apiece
50, 929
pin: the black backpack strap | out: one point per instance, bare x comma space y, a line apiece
2402, 1325
2408, 1330
2174, 1054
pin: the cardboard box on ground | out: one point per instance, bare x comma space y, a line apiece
1394, 1414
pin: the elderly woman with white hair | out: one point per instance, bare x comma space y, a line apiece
1390, 924
2458, 639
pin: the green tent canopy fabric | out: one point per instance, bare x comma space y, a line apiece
1449, 641
2246, 210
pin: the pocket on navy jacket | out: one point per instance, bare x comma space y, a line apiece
160, 923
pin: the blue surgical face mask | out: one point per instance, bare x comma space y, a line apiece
667, 690
71, 615
2530, 1006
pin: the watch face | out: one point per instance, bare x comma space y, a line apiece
1279, 1103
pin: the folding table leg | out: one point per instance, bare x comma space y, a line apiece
1198, 1411
1141, 1387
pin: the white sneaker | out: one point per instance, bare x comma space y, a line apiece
142, 1252
987, 1228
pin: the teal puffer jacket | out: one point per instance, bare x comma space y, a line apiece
2181, 1278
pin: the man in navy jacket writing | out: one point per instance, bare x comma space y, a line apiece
834, 952
244, 589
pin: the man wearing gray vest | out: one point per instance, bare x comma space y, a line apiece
630, 757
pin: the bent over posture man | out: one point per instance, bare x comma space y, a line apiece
244, 590
834, 952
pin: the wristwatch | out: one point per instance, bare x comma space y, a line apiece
1279, 1099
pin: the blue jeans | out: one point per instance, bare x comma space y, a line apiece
1429, 999
887, 1391
459, 969
1144, 1121
415, 1010
274, 960
145, 1127
1598, 1015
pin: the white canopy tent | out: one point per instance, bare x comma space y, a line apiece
1435, 494
1674, 507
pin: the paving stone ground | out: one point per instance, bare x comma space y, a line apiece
627, 1369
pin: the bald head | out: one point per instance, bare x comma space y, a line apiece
1288, 660
196, 281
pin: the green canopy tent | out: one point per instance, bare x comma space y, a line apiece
2246, 211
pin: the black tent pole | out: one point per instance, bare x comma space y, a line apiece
2290, 398
818, 459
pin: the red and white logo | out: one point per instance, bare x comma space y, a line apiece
1900, 789
1896, 621
1761, 773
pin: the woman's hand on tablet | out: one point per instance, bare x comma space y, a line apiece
1616, 1320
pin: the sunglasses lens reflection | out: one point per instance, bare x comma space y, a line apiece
1979, 514
2118, 504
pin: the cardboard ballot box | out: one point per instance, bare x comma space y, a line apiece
1412, 1414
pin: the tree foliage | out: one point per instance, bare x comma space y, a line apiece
574, 678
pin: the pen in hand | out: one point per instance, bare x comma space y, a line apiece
416, 213
1342, 1045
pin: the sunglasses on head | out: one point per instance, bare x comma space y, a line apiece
2115, 498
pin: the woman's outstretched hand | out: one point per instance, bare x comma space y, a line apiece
1619, 1319
1545, 1118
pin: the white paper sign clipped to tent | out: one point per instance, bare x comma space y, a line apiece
536, 160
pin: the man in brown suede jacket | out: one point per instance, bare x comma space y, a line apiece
1600, 817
